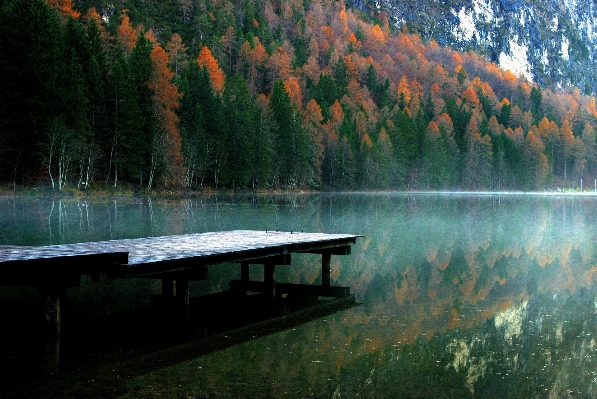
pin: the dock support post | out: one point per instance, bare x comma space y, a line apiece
50, 297
167, 287
269, 280
326, 259
182, 294
244, 271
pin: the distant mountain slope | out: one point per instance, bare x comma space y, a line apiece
550, 42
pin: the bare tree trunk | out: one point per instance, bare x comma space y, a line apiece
88, 174
112, 150
151, 172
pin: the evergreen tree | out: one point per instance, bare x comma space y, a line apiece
238, 113
292, 149
192, 124
30, 66
262, 145
137, 143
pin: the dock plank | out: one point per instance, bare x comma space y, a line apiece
153, 255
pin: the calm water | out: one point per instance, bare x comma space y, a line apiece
462, 296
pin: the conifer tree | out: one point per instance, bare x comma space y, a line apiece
30, 66
238, 113
138, 142
292, 150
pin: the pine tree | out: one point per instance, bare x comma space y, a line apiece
30, 66
238, 113
192, 125
137, 143
292, 150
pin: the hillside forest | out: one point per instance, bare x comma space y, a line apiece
259, 94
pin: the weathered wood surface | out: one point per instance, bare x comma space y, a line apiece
167, 254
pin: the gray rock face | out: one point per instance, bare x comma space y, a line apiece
550, 42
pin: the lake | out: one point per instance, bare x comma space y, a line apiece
470, 296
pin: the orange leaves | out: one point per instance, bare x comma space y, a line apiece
161, 79
366, 143
280, 64
375, 40
433, 131
165, 102
313, 118
313, 113
336, 114
404, 91
64, 7
127, 35
444, 121
471, 98
328, 33
293, 88
176, 52
216, 75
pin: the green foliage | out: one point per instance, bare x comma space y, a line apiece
68, 81
238, 113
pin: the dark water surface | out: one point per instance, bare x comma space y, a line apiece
462, 296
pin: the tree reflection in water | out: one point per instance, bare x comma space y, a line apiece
463, 296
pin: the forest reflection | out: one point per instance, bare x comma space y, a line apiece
468, 296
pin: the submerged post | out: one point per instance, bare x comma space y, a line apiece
326, 259
50, 298
167, 287
182, 295
244, 271
269, 280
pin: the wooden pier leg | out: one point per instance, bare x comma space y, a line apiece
182, 294
326, 259
167, 287
269, 280
245, 269
50, 298
244, 272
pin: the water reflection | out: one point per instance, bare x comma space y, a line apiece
463, 296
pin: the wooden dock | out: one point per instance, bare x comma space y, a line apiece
180, 259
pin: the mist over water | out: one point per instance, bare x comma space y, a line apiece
462, 295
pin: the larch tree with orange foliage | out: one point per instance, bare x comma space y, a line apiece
535, 162
127, 35
64, 8
166, 151
313, 119
478, 159
206, 60
176, 50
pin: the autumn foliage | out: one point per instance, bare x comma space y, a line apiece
365, 105
216, 75
165, 103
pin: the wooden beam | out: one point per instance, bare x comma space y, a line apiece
198, 273
342, 250
27, 279
293, 289
279, 260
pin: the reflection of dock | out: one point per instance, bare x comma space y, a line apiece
175, 260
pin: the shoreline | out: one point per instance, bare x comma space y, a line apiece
210, 192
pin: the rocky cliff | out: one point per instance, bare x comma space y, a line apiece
551, 42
